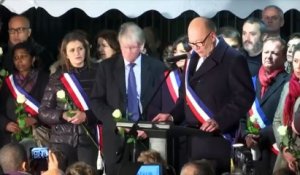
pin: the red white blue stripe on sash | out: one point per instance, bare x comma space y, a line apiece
75, 90
31, 105
173, 83
200, 111
256, 110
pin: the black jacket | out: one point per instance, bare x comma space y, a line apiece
51, 110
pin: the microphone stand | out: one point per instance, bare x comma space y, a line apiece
133, 130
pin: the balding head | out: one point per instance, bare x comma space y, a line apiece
202, 36
18, 29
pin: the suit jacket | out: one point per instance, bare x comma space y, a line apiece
269, 101
8, 105
223, 83
109, 94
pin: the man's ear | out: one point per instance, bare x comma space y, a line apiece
24, 166
29, 32
281, 22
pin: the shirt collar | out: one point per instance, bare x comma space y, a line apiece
137, 61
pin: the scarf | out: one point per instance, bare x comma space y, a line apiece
27, 82
293, 94
266, 79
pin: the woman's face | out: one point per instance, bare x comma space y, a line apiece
179, 51
22, 60
296, 64
75, 52
104, 49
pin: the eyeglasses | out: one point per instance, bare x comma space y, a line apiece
199, 43
17, 30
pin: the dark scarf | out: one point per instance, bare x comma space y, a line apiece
27, 82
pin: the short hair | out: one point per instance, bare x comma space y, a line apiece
80, 168
275, 7
12, 157
26, 20
296, 49
284, 171
201, 167
151, 156
26, 45
261, 24
74, 36
283, 47
132, 32
110, 37
229, 32
294, 36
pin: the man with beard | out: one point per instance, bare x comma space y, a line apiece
253, 34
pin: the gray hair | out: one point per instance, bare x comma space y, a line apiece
279, 10
132, 32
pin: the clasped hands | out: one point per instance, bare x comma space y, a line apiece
209, 125
78, 118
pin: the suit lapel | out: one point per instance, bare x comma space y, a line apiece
279, 80
145, 75
119, 74
211, 61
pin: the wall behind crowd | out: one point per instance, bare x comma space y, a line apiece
49, 30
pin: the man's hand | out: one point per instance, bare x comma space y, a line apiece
12, 127
210, 126
141, 134
52, 165
162, 117
251, 140
30, 121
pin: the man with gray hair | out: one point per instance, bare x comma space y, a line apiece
273, 17
13, 159
124, 83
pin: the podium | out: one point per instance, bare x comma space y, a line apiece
161, 135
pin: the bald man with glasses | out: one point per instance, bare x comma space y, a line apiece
19, 30
217, 92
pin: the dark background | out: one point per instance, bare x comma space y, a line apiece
48, 30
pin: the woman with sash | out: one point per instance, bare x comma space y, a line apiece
28, 82
65, 105
288, 104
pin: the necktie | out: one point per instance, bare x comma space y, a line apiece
132, 95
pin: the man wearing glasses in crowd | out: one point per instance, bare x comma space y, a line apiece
19, 31
217, 91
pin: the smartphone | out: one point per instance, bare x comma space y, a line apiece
39, 158
147, 169
39, 153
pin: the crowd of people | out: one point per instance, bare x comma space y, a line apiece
230, 87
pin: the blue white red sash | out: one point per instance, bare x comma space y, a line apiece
256, 110
260, 116
31, 105
75, 91
173, 83
200, 111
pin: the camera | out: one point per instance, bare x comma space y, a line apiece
39, 153
243, 161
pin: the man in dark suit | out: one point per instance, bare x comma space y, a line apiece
268, 85
217, 75
113, 89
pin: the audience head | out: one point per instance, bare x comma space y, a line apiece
80, 168
274, 53
231, 36
13, 158
273, 17
24, 57
18, 29
199, 167
132, 40
254, 32
107, 44
75, 50
294, 39
181, 46
296, 61
151, 156
152, 41
202, 36
284, 171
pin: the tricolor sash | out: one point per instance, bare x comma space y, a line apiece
256, 110
260, 116
173, 83
75, 91
200, 111
31, 105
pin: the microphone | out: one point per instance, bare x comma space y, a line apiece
176, 58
